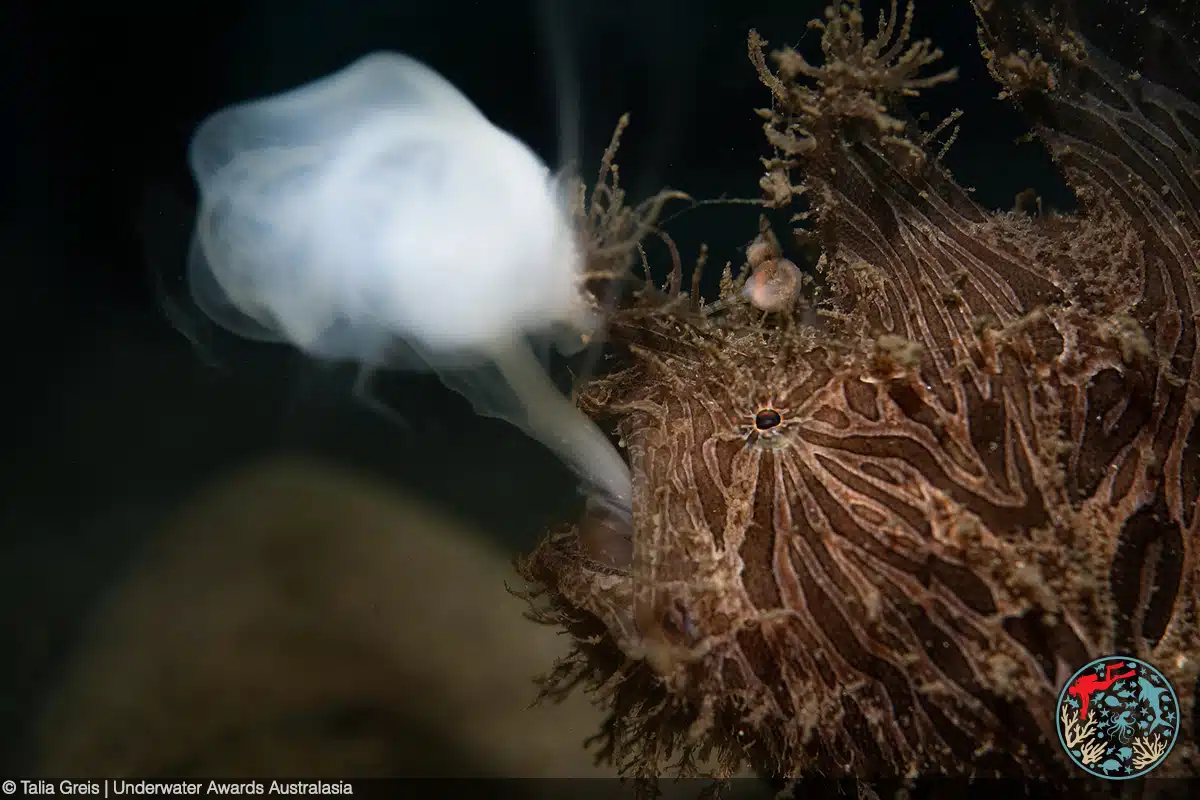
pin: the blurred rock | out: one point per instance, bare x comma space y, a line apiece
296, 619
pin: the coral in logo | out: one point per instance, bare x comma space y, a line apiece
1118, 718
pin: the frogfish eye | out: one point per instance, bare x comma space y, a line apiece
766, 419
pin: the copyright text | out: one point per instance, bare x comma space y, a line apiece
127, 788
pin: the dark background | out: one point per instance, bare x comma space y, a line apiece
121, 400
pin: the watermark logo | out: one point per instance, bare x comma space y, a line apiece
1118, 718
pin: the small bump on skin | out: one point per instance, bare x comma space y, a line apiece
760, 250
774, 286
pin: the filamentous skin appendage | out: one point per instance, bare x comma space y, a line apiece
876, 546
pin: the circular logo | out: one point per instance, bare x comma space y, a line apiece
1118, 718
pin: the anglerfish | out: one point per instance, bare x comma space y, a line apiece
873, 538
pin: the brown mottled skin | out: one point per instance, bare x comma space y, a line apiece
986, 468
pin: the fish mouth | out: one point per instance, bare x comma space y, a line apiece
605, 532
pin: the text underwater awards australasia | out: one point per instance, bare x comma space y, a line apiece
146, 788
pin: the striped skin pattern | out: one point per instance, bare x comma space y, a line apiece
877, 545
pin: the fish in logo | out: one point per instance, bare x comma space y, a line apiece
1118, 718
